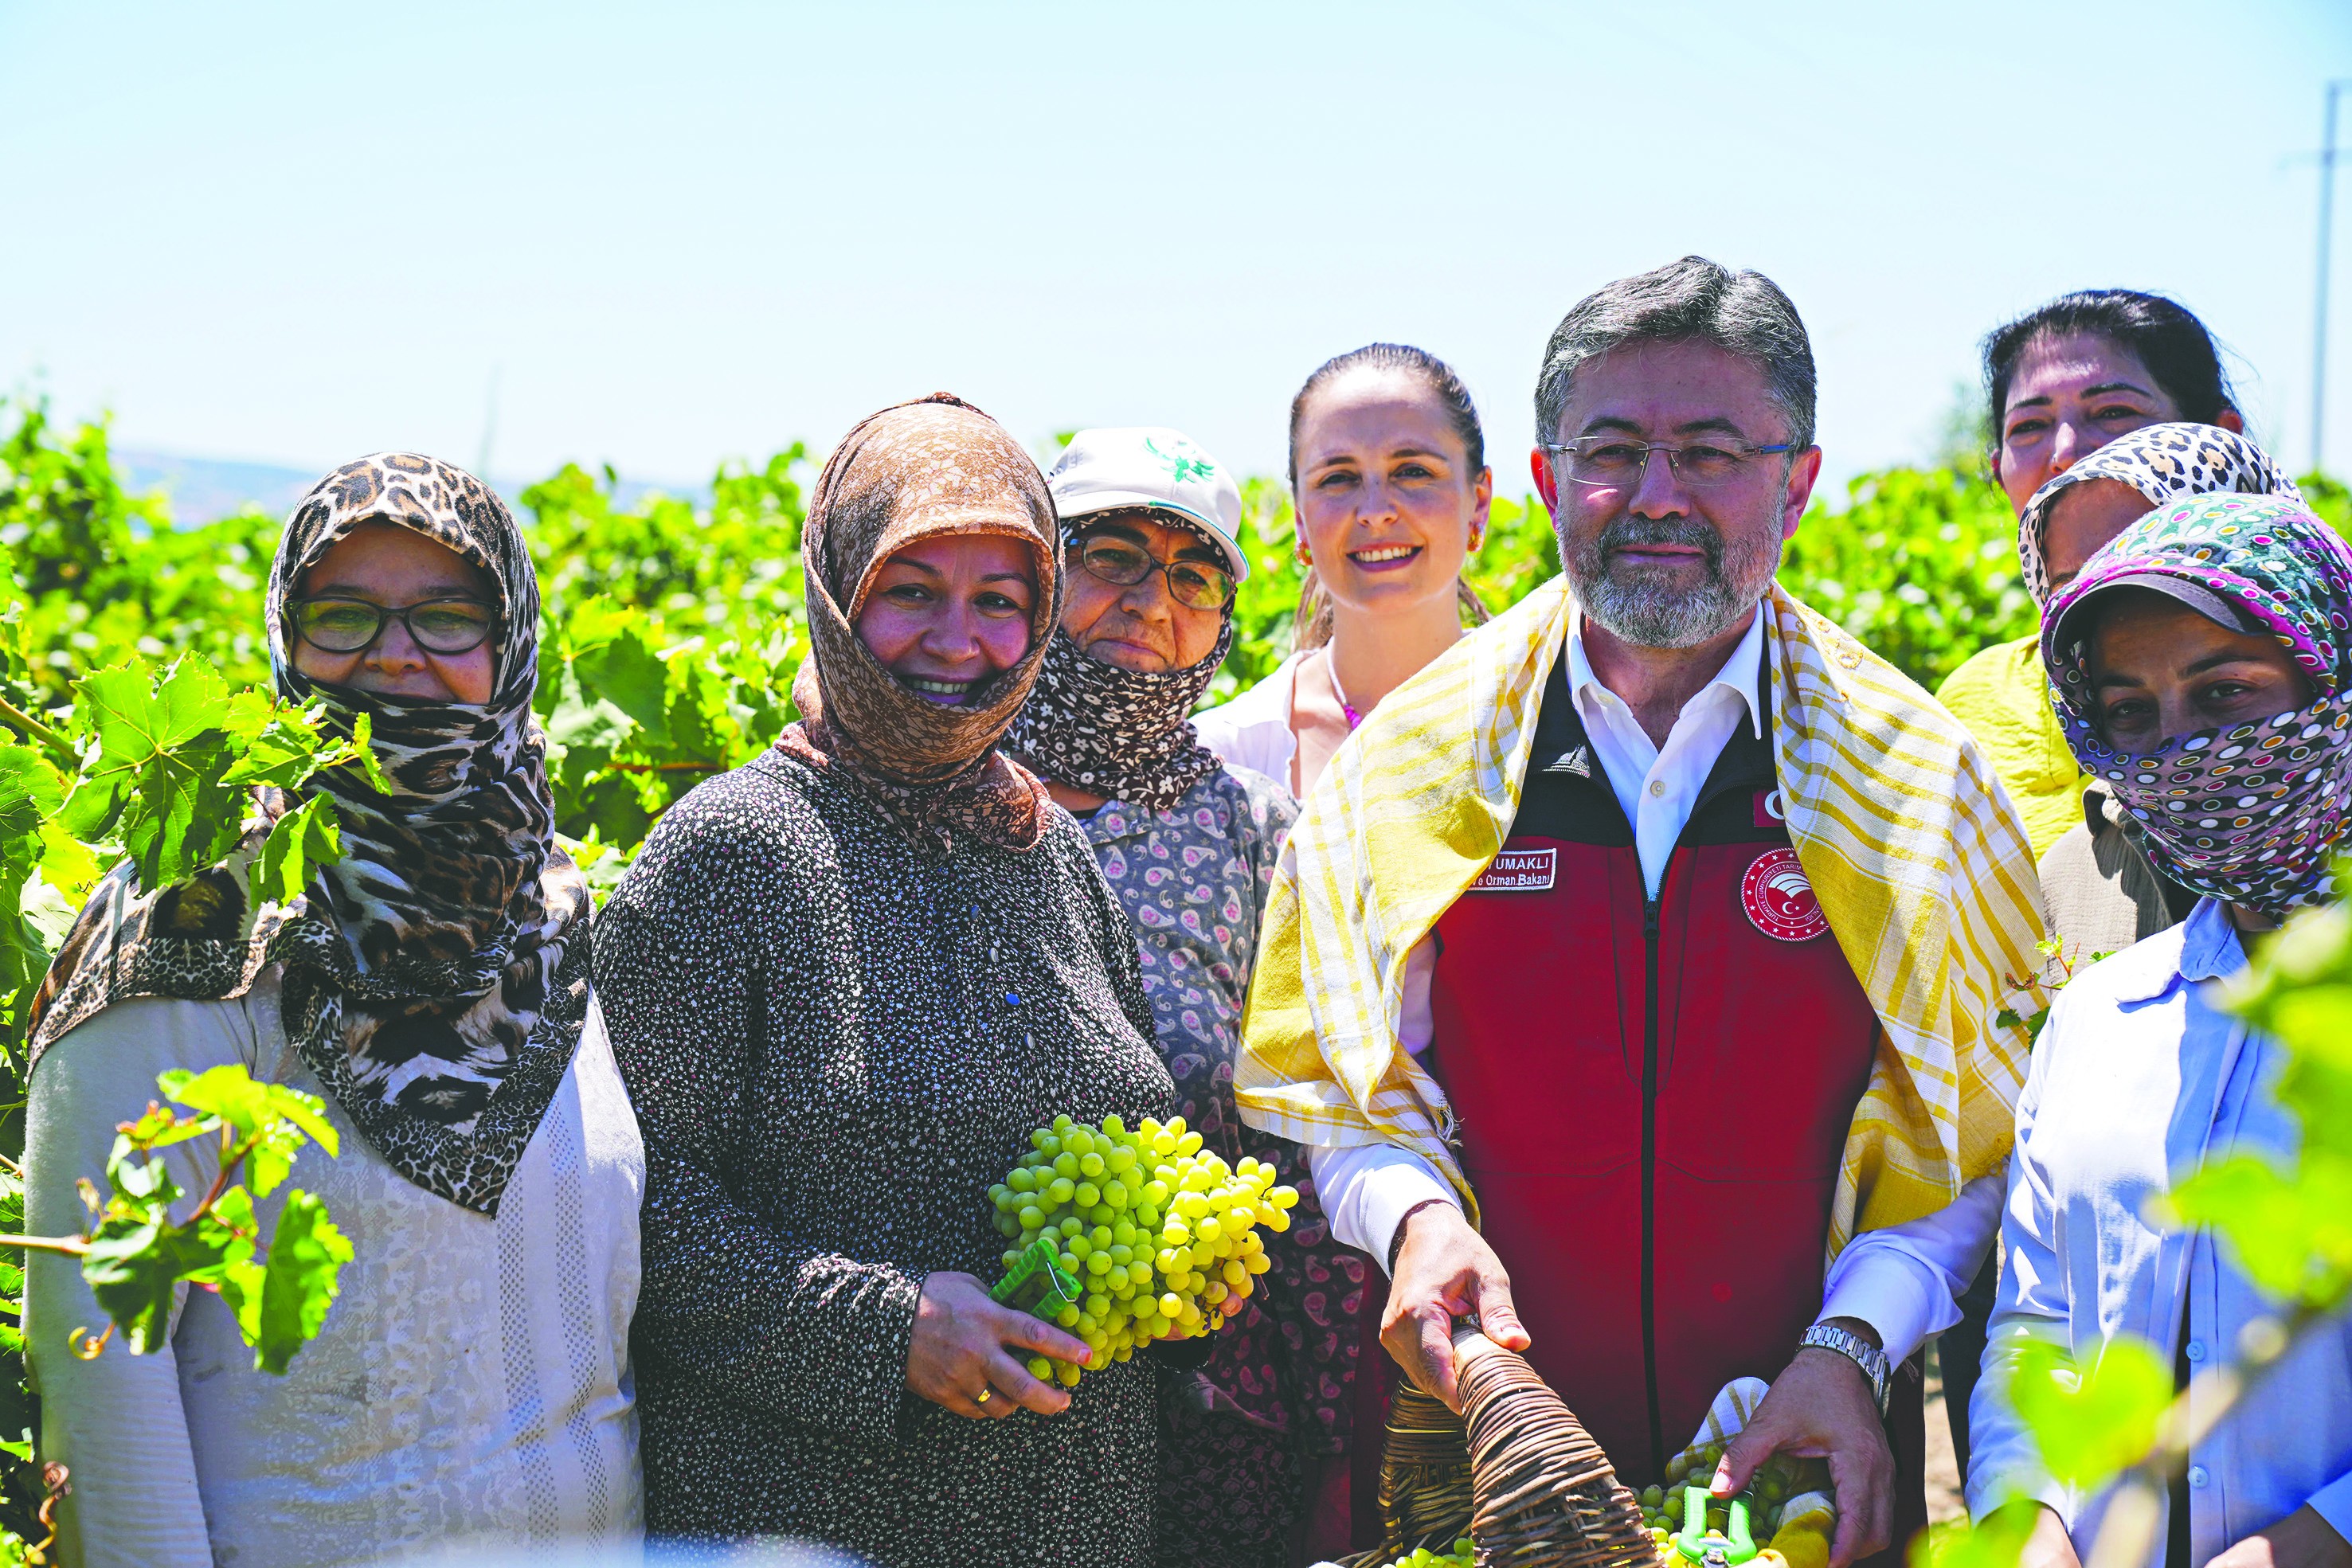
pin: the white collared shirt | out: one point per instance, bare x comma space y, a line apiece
1658, 785
2138, 1079
1254, 731
1904, 1280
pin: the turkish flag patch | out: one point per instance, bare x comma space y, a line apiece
1779, 900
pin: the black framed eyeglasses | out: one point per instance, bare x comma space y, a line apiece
1611, 462
437, 625
1195, 584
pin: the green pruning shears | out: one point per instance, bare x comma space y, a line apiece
1037, 1284
1698, 1543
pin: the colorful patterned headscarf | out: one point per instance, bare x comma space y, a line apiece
435, 977
2253, 812
917, 471
2162, 462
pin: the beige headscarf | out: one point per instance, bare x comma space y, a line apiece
913, 472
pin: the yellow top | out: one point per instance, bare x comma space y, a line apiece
2003, 696
1916, 856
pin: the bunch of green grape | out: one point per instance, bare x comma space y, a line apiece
1463, 1554
1772, 1485
1162, 1234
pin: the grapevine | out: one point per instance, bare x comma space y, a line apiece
1150, 1234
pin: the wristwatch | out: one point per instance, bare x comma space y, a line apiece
1858, 1350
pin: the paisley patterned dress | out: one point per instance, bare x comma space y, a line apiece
835, 1044
1275, 1389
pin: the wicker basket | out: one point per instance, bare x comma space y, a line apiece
1515, 1469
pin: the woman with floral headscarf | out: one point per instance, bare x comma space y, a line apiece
846, 981
470, 1387
2204, 667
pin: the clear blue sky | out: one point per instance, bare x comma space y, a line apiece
672, 233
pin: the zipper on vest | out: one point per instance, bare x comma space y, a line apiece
1650, 1178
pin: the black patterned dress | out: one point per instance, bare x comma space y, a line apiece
1239, 1435
835, 1046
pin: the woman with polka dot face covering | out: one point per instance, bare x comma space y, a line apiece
845, 983
2203, 664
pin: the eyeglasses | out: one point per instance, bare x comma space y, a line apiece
1611, 462
438, 625
1195, 584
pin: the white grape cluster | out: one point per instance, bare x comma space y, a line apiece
1162, 1234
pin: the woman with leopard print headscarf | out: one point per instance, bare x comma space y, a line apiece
470, 1387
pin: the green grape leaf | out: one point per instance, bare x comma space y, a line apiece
2289, 1231
1996, 1541
307, 1254
225, 1236
94, 806
132, 1264
67, 865
271, 1159
587, 734
2089, 1425
137, 1183
304, 837
30, 791
361, 753
282, 752
248, 1106
166, 743
622, 668
241, 1282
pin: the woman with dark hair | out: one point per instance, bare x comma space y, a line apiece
2061, 381
469, 1391
846, 982
1389, 478
2203, 673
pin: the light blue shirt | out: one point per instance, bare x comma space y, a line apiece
2138, 1077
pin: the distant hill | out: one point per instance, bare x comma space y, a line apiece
204, 488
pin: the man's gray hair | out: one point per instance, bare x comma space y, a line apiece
1693, 300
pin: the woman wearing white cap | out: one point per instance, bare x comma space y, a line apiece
1188, 844
1388, 471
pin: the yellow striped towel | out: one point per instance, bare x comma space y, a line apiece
1916, 855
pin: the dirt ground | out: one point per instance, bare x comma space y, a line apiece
1943, 1474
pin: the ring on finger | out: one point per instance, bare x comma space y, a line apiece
984, 1396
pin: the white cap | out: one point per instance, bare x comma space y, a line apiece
1149, 466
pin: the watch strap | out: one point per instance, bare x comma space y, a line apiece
1876, 1367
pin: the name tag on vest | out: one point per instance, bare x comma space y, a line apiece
1518, 871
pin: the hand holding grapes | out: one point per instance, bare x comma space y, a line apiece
960, 1351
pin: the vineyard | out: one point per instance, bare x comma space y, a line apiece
134, 675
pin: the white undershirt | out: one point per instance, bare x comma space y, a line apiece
1902, 1279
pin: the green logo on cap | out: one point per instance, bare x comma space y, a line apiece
1187, 462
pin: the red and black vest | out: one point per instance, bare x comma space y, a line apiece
1654, 1095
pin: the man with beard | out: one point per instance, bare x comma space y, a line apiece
1250, 1440
1634, 977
